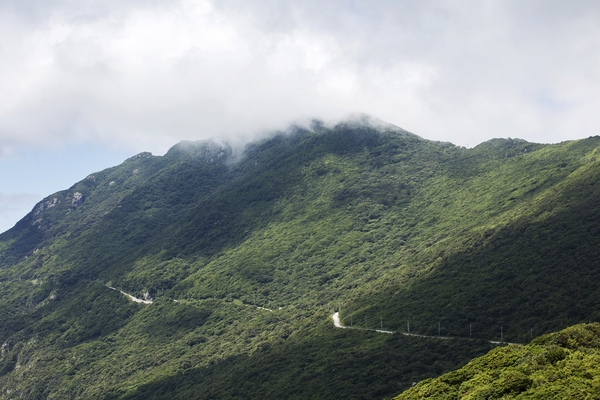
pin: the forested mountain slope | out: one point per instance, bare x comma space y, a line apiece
247, 254
563, 365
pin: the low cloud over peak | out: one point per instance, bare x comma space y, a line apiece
144, 75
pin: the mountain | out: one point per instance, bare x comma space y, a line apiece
245, 255
561, 365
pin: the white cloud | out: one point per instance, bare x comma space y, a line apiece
143, 75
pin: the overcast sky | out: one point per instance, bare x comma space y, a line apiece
87, 83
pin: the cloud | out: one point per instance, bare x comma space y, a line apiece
143, 75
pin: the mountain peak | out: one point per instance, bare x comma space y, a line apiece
207, 150
362, 119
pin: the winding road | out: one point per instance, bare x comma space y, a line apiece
335, 317
338, 324
131, 297
142, 301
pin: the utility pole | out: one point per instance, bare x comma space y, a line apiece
381, 320
439, 330
531, 333
501, 333
407, 326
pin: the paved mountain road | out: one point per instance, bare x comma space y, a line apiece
131, 297
338, 324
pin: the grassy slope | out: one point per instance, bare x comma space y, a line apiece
387, 225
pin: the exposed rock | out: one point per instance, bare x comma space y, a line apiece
77, 199
112, 183
44, 205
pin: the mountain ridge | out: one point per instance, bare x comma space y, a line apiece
380, 222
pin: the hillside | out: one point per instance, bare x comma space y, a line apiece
247, 254
563, 365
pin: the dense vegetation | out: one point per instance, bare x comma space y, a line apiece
563, 365
247, 253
